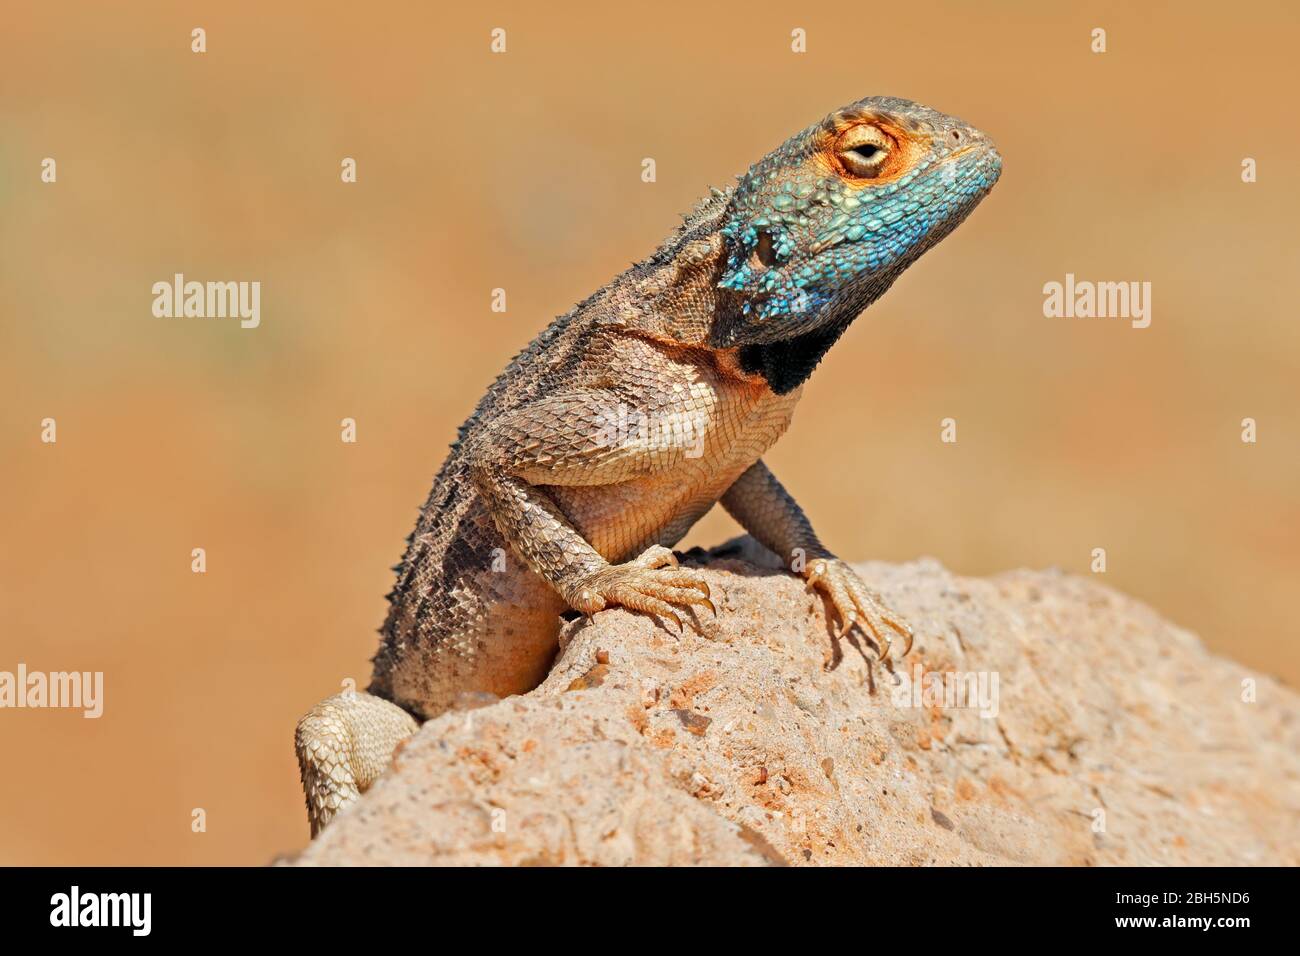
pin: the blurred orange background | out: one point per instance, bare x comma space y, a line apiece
522, 171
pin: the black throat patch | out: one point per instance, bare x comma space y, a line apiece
787, 365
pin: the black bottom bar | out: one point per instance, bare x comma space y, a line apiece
376, 907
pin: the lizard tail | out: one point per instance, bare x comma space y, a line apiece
344, 743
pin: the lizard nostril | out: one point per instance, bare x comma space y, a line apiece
956, 136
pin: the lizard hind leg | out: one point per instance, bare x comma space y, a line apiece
343, 744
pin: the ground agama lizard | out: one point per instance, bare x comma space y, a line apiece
627, 419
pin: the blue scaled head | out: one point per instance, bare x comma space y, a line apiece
820, 227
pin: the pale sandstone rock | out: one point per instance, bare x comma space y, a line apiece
1118, 740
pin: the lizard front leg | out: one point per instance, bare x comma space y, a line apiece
767, 511
571, 438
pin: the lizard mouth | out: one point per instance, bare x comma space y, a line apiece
956, 154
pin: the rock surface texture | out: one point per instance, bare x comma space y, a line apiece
1110, 737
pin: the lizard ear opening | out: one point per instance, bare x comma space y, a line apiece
764, 254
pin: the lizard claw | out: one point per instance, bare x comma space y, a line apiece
854, 603
653, 583
655, 556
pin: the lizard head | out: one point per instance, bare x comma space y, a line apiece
820, 227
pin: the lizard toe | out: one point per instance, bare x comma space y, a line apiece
656, 556
857, 606
661, 591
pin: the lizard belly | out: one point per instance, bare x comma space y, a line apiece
622, 520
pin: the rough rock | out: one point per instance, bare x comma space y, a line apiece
1114, 738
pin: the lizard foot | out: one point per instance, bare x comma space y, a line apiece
652, 583
855, 603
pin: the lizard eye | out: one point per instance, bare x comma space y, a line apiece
863, 151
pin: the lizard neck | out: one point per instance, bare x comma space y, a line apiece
674, 298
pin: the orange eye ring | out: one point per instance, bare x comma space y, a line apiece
871, 149
863, 151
